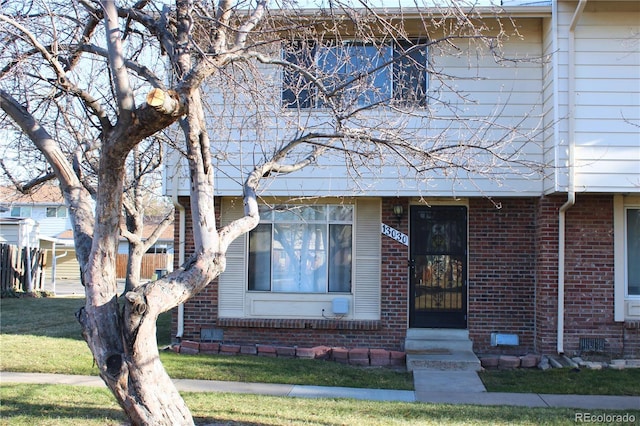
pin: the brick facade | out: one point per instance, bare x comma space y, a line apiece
512, 285
546, 289
501, 268
589, 278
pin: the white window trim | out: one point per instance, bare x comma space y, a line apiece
622, 301
236, 301
328, 223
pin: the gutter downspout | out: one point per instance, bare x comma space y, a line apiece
181, 245
571, 193
53, 266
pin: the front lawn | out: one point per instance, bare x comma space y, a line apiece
43, 336
73, 405
564, 381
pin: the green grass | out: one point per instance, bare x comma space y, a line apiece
42, 335
68, 405
247, 368
51, 328
564, 381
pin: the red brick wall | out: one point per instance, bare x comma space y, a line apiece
512, 287
631, 340
395, 274
546, 301
202, 309
501, 272
589, 278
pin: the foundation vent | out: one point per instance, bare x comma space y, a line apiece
591, 344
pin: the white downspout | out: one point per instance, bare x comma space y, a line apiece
181, 243
54, 263
571, 194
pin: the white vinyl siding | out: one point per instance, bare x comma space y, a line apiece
507, 92
67, 266
607, 101
235, 301
10, 233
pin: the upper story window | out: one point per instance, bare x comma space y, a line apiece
21, 211
632, 239
302, 249
363, 74
57, 211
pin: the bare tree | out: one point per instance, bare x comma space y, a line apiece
226, 54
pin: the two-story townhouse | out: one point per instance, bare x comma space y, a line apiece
548, 261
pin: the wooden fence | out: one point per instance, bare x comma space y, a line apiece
14, 270
150, 263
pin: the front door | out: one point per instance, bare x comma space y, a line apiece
438, 275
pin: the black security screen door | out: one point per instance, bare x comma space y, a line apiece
438, 267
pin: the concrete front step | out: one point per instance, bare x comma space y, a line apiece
431, 339
413, 345
440, 349
437, 334
454, 361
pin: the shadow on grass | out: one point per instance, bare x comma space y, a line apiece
50, 317
32, 404
72, 405
55, 317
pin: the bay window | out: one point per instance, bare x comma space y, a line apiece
302, 249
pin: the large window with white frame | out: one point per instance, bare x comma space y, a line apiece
632, 243
355, 73
302, 249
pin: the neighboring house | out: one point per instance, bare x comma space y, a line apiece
556, 264
158, 258
51, 228
41, 220
18, 231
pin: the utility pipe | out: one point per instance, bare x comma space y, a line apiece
53, 267
571, 193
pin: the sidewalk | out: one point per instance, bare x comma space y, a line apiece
425, 392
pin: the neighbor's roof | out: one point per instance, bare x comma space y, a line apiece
45, 194
167, 234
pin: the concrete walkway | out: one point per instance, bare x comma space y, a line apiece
434, 387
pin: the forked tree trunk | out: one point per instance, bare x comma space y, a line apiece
126, 349
136, 376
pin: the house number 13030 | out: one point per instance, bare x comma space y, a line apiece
395, 234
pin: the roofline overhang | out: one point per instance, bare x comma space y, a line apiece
61, 241
516, 11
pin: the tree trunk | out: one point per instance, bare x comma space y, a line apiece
143, 388
135, 374
134, 266
123, 340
